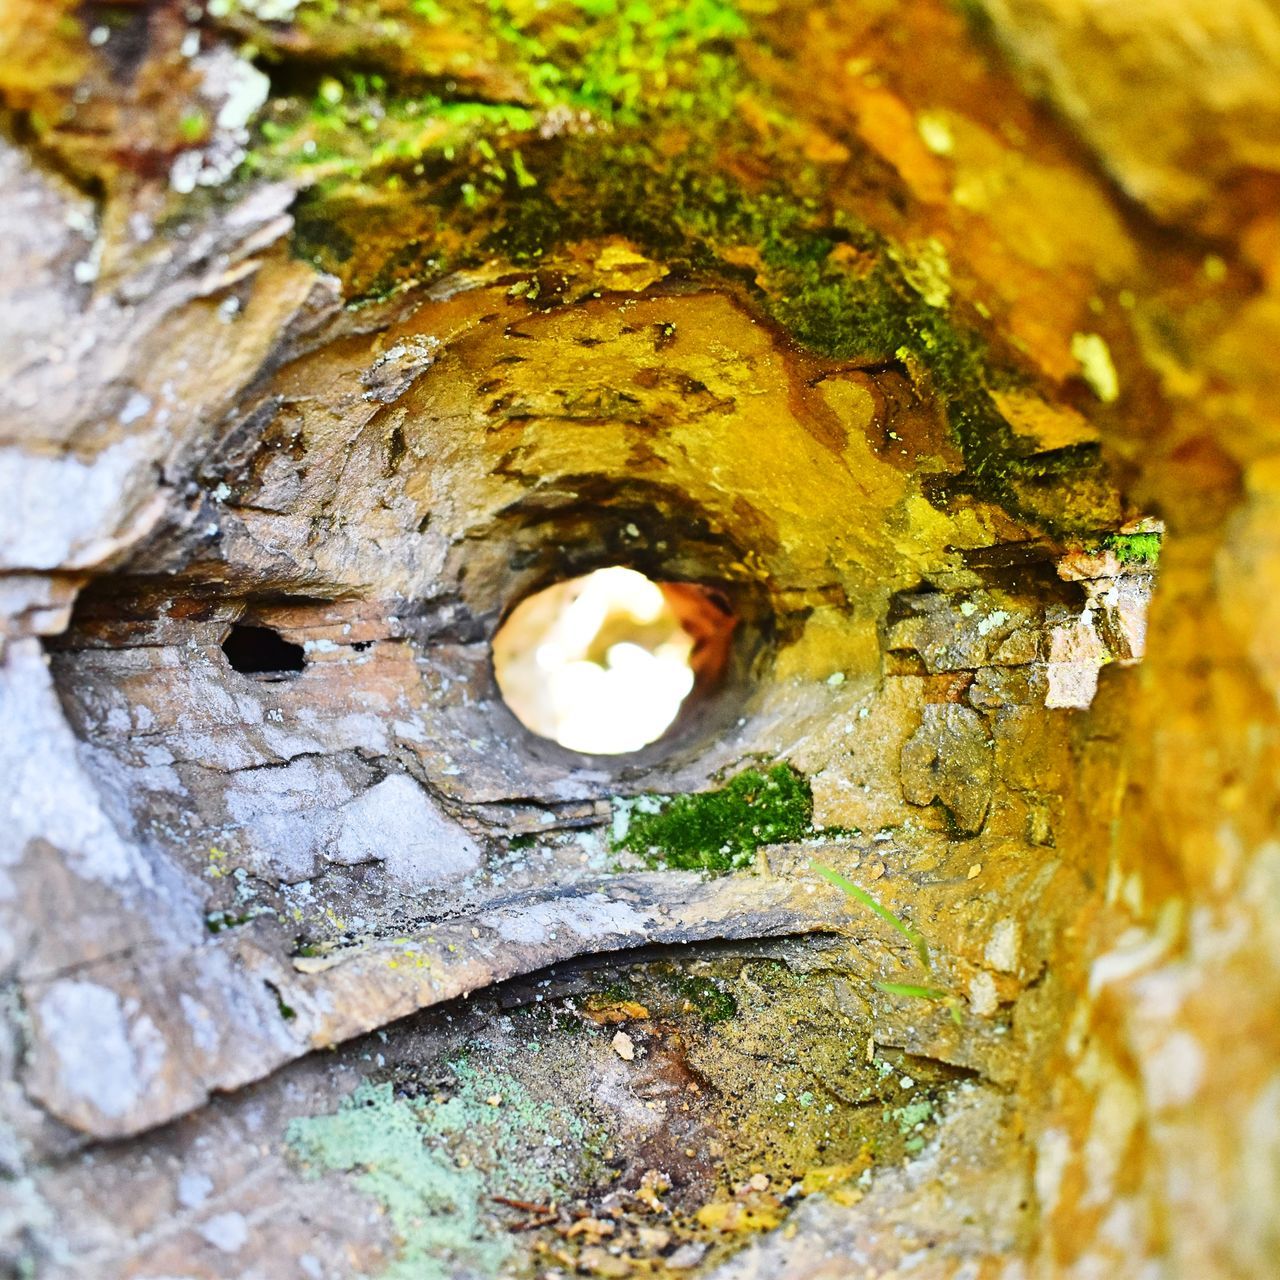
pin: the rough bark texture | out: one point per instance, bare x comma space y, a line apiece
917, 333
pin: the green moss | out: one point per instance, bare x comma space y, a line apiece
631, 123
433, 1166
193, 126
622, 990
352, 126
1135, 550
717, 831
700, 222
708, 998
604, 61
609, 57
217, 921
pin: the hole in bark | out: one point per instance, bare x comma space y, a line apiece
260, 651
605, 662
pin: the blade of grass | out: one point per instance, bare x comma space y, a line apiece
907, 989
913, 936
925, 993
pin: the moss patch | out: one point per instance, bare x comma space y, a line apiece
1137, 550
717, 831
640, 120
706, 997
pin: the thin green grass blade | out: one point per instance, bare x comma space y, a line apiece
907, 989
925, 993
913, 936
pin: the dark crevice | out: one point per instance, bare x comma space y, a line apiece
262, 652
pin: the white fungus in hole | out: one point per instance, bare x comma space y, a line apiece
600, 664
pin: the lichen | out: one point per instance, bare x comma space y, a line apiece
433, 1166
720, 830
912, 1120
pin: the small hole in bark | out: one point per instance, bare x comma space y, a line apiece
604, 663
260, 651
